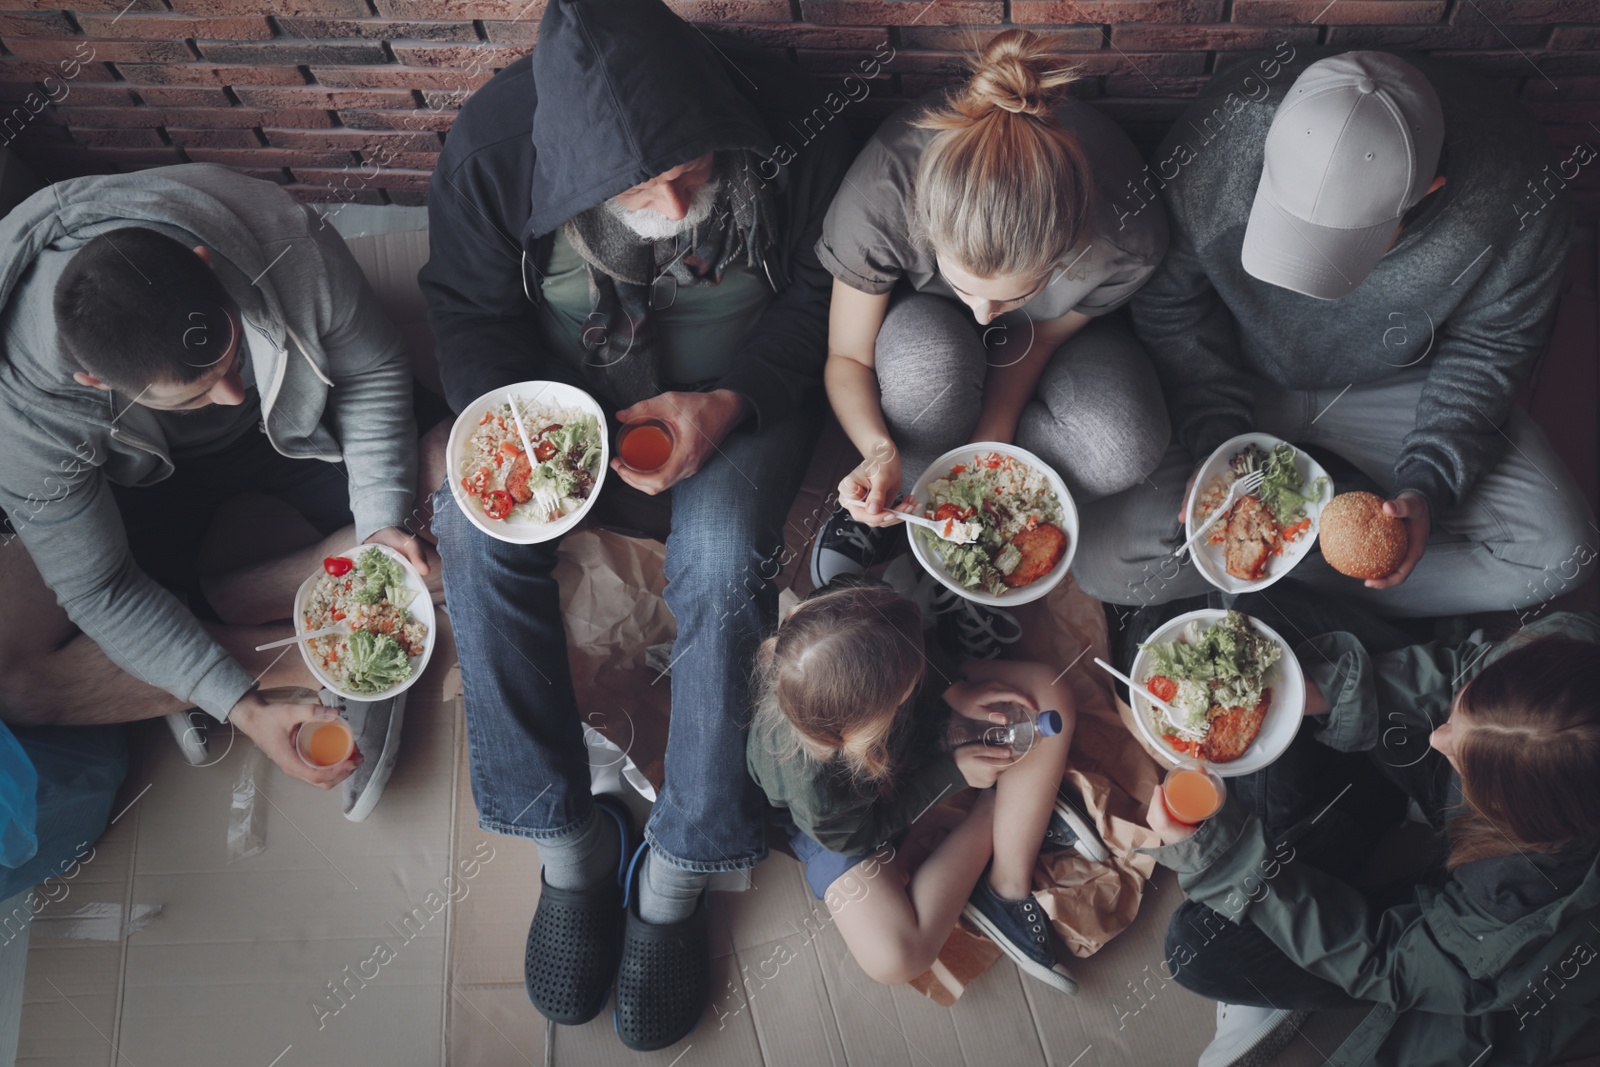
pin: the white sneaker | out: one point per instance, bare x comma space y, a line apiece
376, 726
1250, 1037
189, 728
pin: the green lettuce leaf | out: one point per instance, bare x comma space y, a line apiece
376, 662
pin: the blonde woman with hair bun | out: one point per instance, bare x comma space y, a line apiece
978, 256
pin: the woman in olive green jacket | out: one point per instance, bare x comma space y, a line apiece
1491, 960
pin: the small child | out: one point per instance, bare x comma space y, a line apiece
849, 716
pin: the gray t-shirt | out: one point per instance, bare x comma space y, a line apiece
866, 239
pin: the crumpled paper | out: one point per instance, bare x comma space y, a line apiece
611, 597
611, 600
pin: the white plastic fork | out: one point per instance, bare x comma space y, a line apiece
1241, 487
340, 627
937, 526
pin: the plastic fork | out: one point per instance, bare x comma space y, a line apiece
336, 628
1134, 687
937, 526
1240, 488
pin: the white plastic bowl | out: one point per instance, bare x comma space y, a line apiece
1278, 728
518, 530
1069, 524
421, 608
1212, 559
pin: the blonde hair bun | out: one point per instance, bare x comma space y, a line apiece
1003, 189
1017, 72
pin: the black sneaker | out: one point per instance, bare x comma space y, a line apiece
1070, 828
1020, 929
575, 939
664, 978
845, 546
969, 630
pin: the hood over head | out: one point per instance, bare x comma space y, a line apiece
199, 203
626, 91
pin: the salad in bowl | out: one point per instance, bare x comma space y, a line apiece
1017, 512
382, 618
527, 461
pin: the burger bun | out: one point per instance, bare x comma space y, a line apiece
1358, 539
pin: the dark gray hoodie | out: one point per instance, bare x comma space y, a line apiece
332, 374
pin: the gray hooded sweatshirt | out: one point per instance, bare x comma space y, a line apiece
330, 369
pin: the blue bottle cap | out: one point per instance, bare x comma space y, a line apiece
1049, 723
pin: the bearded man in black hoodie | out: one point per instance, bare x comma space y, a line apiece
625, 210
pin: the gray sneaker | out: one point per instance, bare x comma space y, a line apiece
189, 728
376, 726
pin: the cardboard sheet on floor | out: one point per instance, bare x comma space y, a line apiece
611, 596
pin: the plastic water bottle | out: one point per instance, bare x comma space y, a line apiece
1018, 734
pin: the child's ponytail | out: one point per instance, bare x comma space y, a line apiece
833, 678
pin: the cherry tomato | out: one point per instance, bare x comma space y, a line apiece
497, 503
543, 451
1162, 688
1181, 745
948, 511
337, 565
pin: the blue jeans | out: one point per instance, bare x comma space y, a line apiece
530, 770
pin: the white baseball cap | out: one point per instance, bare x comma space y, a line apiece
1353, 146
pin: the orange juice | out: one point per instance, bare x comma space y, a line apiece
644, 446
1192, 793
323, 744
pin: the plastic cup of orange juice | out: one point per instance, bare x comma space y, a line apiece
324, 744
1192, 792
644, 446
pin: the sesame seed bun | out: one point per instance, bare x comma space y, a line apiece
1358, 539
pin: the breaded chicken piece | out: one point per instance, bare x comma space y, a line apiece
1041, 548
517, 480
1231, 731
1252, 534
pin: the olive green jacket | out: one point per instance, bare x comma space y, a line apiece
1492, 964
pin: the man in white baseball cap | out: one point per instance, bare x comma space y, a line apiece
1357, 266
1354, 146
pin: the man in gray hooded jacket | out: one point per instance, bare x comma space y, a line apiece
172, 338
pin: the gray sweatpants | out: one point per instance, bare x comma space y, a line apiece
1098, 417
1522, 536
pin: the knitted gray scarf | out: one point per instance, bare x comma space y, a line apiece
631, 276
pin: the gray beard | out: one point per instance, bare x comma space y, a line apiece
653, 226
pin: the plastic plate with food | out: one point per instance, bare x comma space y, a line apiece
386, 615
1027, 523
1235, 683
1266, 532
512, 495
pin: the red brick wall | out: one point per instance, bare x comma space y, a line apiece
350, 99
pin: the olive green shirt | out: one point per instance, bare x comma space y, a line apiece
1467, 966
700, 331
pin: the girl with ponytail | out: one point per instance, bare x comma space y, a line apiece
979, 246
850, 711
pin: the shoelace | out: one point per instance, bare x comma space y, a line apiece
974, 622
849, 532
